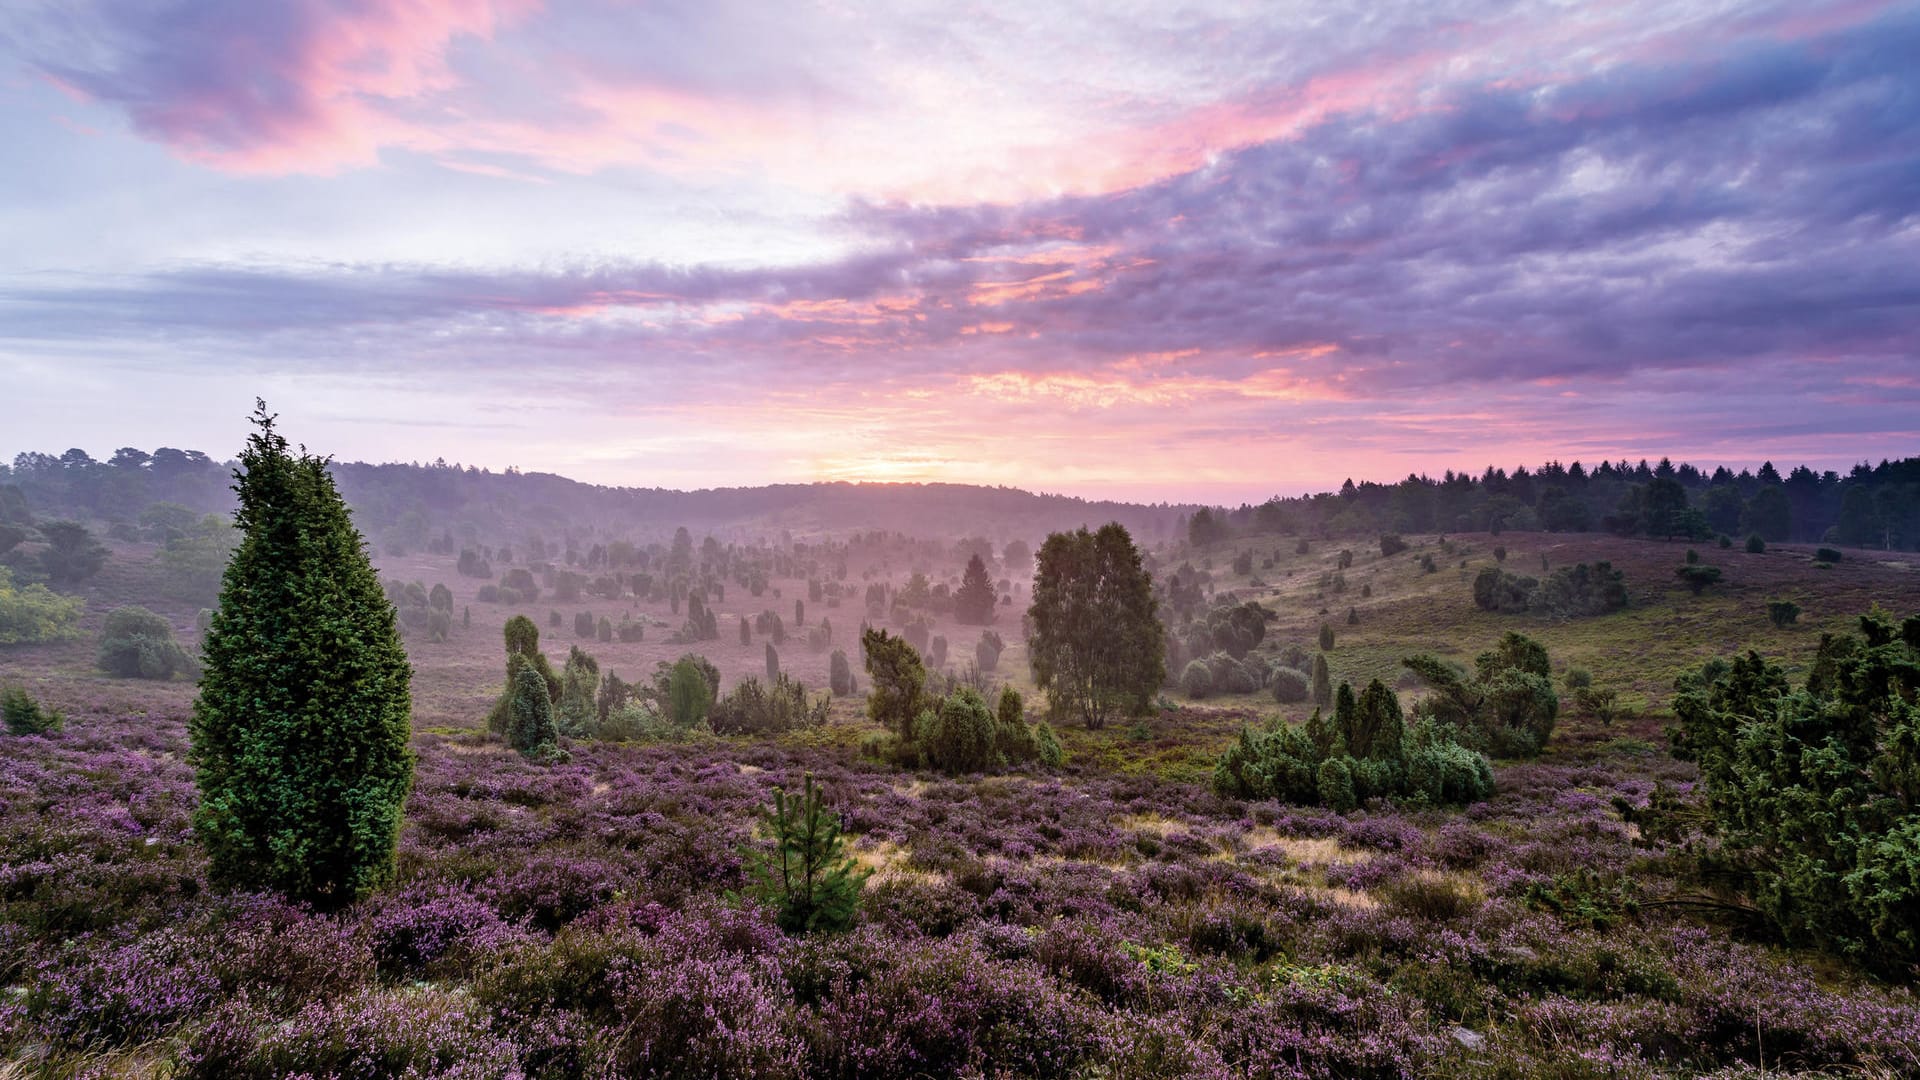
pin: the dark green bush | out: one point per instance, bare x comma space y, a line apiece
1782, 613
1815, 792
530, 724
1698, 577
1496, 590
1827, 555
138, 644
958, 736
72, 554
1506, 707
1289, 686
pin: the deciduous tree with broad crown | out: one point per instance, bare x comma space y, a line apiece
1093, 631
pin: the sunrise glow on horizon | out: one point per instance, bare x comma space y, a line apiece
1208, 253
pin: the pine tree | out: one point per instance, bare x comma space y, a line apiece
808, 877
299, 735
973, 603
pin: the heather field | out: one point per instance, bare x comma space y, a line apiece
1110, 918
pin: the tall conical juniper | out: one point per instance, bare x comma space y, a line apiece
300, 730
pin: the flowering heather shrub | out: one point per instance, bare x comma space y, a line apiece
566, 920
943, 1010
93, 992
423, 1033
418, 930
697, 1016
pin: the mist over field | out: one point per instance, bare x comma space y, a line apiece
548, 539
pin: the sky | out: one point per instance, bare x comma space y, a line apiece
1151, 251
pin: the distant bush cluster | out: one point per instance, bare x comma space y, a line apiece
1363, 751
956, 731
1581, 589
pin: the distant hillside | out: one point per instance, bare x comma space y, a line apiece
408, 505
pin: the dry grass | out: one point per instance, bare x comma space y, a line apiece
1306, 851
885, 861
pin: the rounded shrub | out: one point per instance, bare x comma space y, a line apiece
1289, 685
138, 644
1197, 680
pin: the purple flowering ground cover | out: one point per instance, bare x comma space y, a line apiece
586, 920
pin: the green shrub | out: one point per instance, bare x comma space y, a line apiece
1581, 589
689, 692
1756, 545
1496, 590
1047, 746
636, 721
1363, 751
1507, 707
1326, 637
1813, 791
25, 716
1013, 740
1697, 578
72, 555
753, 708
138, 644
1390, 544
578, 711
299, 734
30, 614
839, 674
959, 736
530, 725
898, 678
522, 639
1827, 555
1782, 613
